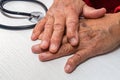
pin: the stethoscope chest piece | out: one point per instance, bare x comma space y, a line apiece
36, 16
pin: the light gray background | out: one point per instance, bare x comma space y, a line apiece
17, 62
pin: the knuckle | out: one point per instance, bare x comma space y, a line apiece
58, 9
70, 61
60, 15
67, 49
72, 23
47, 26
78, 56
49, 13
58, 27
82, 56
46, 37
55, 40
70, 7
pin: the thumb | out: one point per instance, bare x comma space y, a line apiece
90, 12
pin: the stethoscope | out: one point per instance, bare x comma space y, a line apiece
33, 16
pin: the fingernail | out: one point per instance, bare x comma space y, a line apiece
73, 41
68, 68
53, 48
36, 49
43, 56
44, 44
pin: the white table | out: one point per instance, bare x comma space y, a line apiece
17, 62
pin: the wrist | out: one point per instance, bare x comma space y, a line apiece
117, 27
118, 18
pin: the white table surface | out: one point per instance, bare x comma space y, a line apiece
17, 62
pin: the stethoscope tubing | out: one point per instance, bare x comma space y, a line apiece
17, 27
3, 2
3, 10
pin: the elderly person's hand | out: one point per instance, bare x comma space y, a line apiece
63, 15
97, 36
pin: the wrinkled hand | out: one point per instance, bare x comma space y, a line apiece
63, 14
97, 36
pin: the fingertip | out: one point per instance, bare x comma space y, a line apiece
53, 48
53, 51
104, 9
33, 49
34, 37
101, 11
44, 45
70, 65
72, 33
42, 57
45, 56
74, 40
90, 12
68, 69
36, 49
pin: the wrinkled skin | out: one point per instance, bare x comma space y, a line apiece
97, 37
63, 14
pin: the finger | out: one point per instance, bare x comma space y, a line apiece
38, 29
76, 59
90, 12
36, 49
72, 23
41, 35
57, 36
64, 41
65, 50
47, 33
